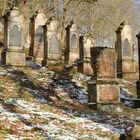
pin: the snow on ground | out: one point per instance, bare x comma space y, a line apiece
126, 98
51, 122
56, 127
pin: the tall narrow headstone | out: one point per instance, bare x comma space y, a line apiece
38, 35
14, 42
54, 41
126, 66
81, 55
84, 65
88, 43
103, 87
137, 101
67, 49
72, 43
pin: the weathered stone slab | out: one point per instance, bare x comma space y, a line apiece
54, 47
127, 48
54, 41
74, 43
129, 66
103, 62
39, 36
14, 37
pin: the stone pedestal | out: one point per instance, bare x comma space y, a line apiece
13, 58
103, 87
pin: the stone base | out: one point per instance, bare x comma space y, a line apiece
92, 106
106, 107
110, 108
127, 69
31, 51
138, 89
130, 76
137, 103
44, 62
13, 58
30, 58
104, 91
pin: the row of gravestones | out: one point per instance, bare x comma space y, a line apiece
46, 48
46, 43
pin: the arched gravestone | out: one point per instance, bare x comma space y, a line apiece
39, 36
14, 37
126, 65
126, 48
54, 47
13, 53
73, 41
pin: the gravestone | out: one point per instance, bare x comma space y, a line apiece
137, 101
54, 41
126, 65
38, 37
103, 87
88, 43
72, 43
14, 42
85, 43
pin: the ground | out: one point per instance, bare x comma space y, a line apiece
40, 104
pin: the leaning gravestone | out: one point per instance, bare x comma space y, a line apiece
103, 87
54, 41
38, 37
14, 42
126, 66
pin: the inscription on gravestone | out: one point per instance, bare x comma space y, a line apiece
107, 66
126, 48
39, 35
54, 45
14, 37
74, 42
